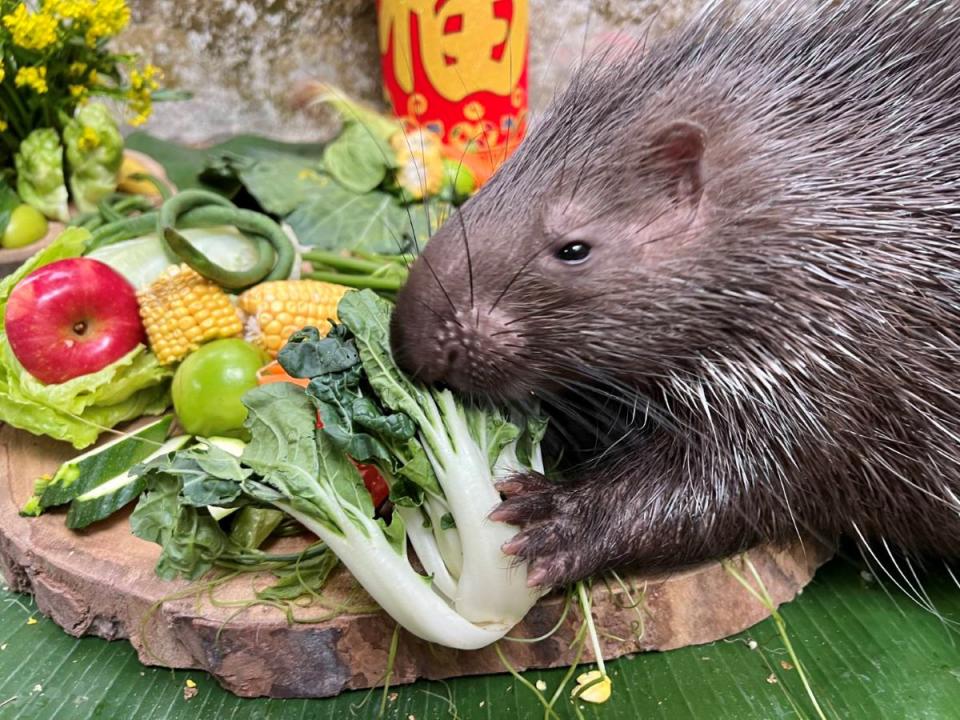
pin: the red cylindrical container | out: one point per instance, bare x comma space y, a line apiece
459, 68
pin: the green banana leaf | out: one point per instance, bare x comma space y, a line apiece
868, 652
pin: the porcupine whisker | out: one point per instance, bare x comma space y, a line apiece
599, 414
864, 545
916, 587
953, 577
617, 391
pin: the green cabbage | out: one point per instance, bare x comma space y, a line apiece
94, 155
80, 409
40, 174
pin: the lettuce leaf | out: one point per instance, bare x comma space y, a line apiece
78, 410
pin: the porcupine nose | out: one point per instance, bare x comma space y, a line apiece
429, 349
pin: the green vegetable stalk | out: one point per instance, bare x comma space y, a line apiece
40, 174
94, 154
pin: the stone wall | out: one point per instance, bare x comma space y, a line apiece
241, 58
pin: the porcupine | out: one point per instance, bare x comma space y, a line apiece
736, 254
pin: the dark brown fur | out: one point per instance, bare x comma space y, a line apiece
766, 334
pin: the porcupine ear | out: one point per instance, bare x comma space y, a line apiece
678, 150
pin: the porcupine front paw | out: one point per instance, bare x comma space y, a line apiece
554, 519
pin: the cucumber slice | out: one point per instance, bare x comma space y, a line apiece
95, 466
233, 446
107, 497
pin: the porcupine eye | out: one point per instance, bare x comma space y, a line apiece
573, 253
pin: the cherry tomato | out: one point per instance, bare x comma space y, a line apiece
208, 385
374, 482
27, 225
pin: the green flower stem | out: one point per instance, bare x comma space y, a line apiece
15, 111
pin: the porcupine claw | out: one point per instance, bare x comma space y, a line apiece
550, 520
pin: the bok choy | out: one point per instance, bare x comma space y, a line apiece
440, 456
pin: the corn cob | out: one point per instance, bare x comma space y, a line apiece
181, 310
275, 310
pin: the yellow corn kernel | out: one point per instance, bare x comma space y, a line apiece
181, 310
275, 310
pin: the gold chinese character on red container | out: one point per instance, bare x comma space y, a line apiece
458, 68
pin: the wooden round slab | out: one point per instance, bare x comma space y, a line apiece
101, 582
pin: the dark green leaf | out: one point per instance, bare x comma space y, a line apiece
307, 355
183, 165
357, 159
334, 218
533, 432
279, 183
201, 490
252, 525
294, 458
447, 522
189, 538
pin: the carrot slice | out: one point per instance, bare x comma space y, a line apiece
273, 373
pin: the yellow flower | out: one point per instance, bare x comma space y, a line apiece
32, 77
33, 31
78, 92
93, 77
69, 9
3, 72
89, 140
77, 69
3, 125
140, 94
600, 687
106, 18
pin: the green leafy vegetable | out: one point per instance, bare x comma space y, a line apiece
94, 149
253, 525
40, 183
334, 218
474, 593
279, 183
358, 159
440, 457
190, 539
184, 165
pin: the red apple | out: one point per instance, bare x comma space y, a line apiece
72, 317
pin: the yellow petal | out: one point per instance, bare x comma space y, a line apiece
190, 683
597, 693
31, 621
